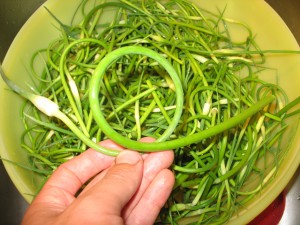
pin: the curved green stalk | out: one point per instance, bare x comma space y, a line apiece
98, 76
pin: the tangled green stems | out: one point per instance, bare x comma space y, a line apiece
164, 145
169, 70
51, 109
45, 106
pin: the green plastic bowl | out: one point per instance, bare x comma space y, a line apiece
272, 33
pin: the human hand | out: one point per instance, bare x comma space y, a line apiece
129, 189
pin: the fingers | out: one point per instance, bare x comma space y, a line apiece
115, 189
153, 199
153, 164
103, 173
58, 192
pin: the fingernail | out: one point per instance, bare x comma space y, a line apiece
129, 157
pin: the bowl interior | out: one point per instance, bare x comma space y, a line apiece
40, 29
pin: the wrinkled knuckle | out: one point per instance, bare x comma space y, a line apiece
126, 174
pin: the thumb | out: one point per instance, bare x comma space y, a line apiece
118, 185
